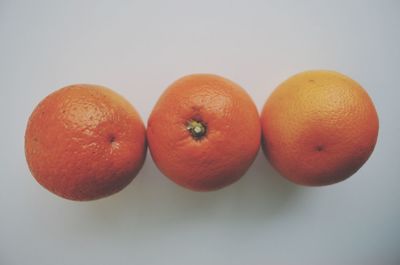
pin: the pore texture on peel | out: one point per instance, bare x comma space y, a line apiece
85, 142
319, 127
213, 132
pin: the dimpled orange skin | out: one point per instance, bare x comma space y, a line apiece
231, 141
319, 127
84, 142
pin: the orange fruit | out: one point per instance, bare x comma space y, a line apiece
319, 127
204, 132
84, 142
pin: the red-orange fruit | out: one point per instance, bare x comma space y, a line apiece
84, 142
204, 132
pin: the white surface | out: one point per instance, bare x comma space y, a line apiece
138, 48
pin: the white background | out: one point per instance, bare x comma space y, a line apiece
138, 48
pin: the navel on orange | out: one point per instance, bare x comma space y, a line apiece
84, 142
319, 127
204, 132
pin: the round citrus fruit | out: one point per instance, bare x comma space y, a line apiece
84, 142
204, 132
319, 127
